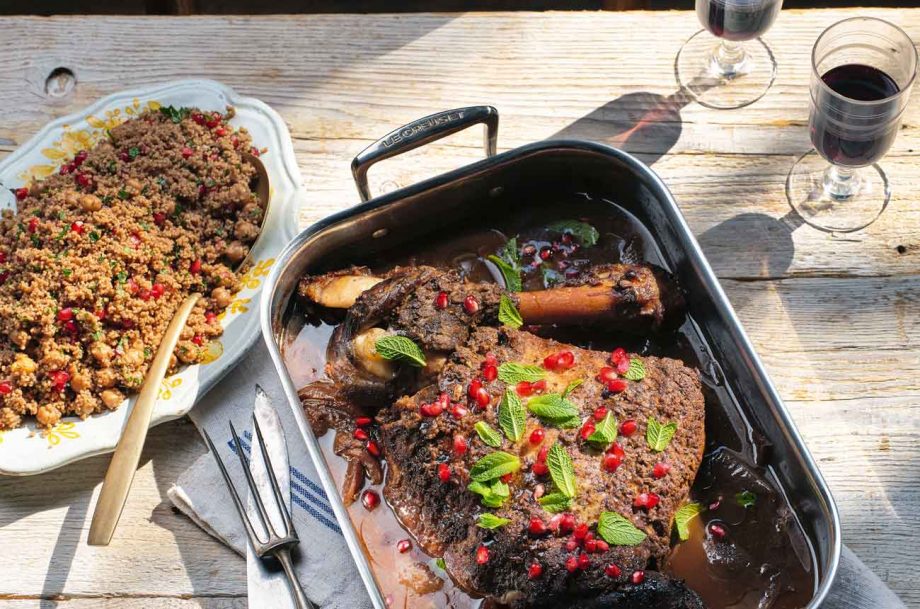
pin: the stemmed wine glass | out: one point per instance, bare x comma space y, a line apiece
862, 70
715, 65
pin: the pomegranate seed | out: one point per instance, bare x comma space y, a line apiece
360, 434
212, 122
715, 505
554, 523
590, 546
471, 304
59, 379
363, 421
235, 141
580, 532
84, 180
584, 561
507, 478
717, 531
67, 168
537, 435
565, 360
21, 193
534, 571
202, 191
490, 360
545, 253
623, 366
460, 445
600, 413
210, 317
431, 410
473, 389
33, 225
607, 375
441, 300
541, 456
616, 450
616, 386
567, 524
443, 472
254, 151
611, 462
370, 500
571, 564
618, 355
145, 294
482, 555
187, 152
637, 577
159, 218
2, 257
536, 527
458, 411
198, 339
524, 388
612, 570
538, 491
646, 500
403, 546
490, 373
539, 386
198, 118
195, 267
540, 469
80, 157
587, 429
571, 545
373, 448
157, 290
220, 132
4, 275
127, 324
628, 427
65, 314
482, 397
602, 546
661, 470
100, 314
6, 387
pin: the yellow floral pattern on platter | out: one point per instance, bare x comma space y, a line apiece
61, 431
166, 387
74, 140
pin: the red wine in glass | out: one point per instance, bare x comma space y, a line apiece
846, 132
737, 20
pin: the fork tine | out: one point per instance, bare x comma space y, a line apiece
279, 497
253, 487
253, 538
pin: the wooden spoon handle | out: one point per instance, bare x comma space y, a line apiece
124, 462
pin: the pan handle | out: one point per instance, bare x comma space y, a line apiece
419, 133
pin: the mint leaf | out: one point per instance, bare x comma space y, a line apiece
401, 349
555, 502
682, 519
494, 465
508, 313
605, 432
441, 564
572, 386
512, 417
512, 373
491, 521
493, 495
561, 470
746, 499
636, 370
659, 436
553, 409
487, 434
583, 232
618, 531
510, 274
509, 253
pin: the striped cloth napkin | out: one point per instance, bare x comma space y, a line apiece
325, 565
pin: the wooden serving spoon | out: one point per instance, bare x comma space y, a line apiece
127, 455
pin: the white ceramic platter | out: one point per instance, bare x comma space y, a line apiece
28, 450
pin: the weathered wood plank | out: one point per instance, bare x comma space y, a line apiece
158, 602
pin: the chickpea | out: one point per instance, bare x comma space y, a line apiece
90, 202
133, 185
23, 365
239, 192
246, 230
133, 357
47, 416
106, 377
71, 197
235, 252
20, 338
222, 297
102, 353
188, 352
111, 398
54, 360
80, 381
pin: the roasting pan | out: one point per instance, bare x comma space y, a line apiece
536, 171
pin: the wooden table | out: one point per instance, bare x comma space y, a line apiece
835, 319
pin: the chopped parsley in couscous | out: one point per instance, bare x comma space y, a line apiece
100, 255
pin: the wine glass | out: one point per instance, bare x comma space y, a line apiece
715, 65
862, 71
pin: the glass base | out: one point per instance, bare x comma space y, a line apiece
831, 204
724, 75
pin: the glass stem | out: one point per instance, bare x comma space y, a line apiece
841, 182
728, 59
